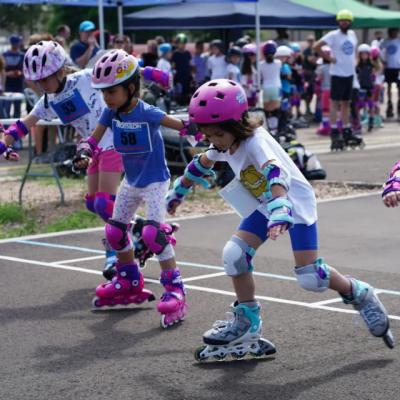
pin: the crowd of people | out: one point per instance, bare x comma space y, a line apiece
121, 133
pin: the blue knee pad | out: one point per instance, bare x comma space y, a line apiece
314, 277
237, 256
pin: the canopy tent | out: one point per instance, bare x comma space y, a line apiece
365, 16
97, 3
273, 14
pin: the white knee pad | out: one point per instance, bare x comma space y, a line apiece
167, 253
236, 256
314, 277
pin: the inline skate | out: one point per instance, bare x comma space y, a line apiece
364, 299
352, 139
337, 142
238, 336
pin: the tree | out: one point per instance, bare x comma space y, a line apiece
20, 17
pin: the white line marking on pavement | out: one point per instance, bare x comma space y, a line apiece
60, 246
79, 259
196, 278
198, 288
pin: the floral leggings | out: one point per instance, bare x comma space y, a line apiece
129, 199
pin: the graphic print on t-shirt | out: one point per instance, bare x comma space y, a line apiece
391, 49
253, 180
347, 47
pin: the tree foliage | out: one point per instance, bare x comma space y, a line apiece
21, 17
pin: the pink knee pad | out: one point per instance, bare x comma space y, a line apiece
104, 205
89, 201
117, 235
157, 236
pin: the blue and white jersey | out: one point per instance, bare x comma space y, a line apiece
137, 136
344, 49
391, 53
78, 105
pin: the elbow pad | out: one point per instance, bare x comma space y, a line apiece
275, 176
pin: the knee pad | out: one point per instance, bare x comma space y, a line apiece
89, 202
314, 277
157, 236
117, 235
237, 256
104, 205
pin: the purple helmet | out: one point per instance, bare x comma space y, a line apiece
217, 101
269, 48
114, 68
43, 59
249, 49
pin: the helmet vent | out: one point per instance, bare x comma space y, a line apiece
34, 66
26, 63
213, 84
195, 95
44, 59
107, 71
104, 59
203, 103
98, 72
215, 116
220, 96
232, 83
115, 56
35, 52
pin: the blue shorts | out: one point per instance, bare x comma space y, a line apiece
302, 236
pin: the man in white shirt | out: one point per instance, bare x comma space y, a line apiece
343, 44
391, 58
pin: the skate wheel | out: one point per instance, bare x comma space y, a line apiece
198, 354
238, 356
219, 357
388, 338
163, 323
96, 302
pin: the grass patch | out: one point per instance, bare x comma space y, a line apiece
77, 220
11, 213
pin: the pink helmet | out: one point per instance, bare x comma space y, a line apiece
114, 68
43, 59
375, 52
250, 48
326, 51
217, 101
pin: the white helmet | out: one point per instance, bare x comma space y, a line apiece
283, 51
364, 48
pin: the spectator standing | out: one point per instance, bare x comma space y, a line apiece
216, 63
87, 46
181, 63
309, 71
150, 58
199, 64
343, 44
391, 57
378, 35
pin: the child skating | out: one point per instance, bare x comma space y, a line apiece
280, 199
137, 137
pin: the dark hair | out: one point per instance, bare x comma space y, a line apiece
62, 28
269, 58
246, 65
241, 130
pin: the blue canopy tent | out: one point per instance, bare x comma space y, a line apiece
97, 3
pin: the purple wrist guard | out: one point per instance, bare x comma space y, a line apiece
156, 75
392, 185
87, 147
190, 129
395, 168
17, 130
3, 147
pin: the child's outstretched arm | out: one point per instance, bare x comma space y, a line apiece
391, 191
195, 172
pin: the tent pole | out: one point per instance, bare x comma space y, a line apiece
258, 42
120, 20
101, 24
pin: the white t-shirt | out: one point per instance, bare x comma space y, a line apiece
233, 72
271, 73
247, 162
217, 66
164, 65
391, 53
78, 105
344, 50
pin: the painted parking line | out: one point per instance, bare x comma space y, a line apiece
192, 287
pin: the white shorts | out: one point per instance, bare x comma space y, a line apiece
271, 93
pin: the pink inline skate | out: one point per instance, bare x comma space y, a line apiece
125, 288
172, 304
